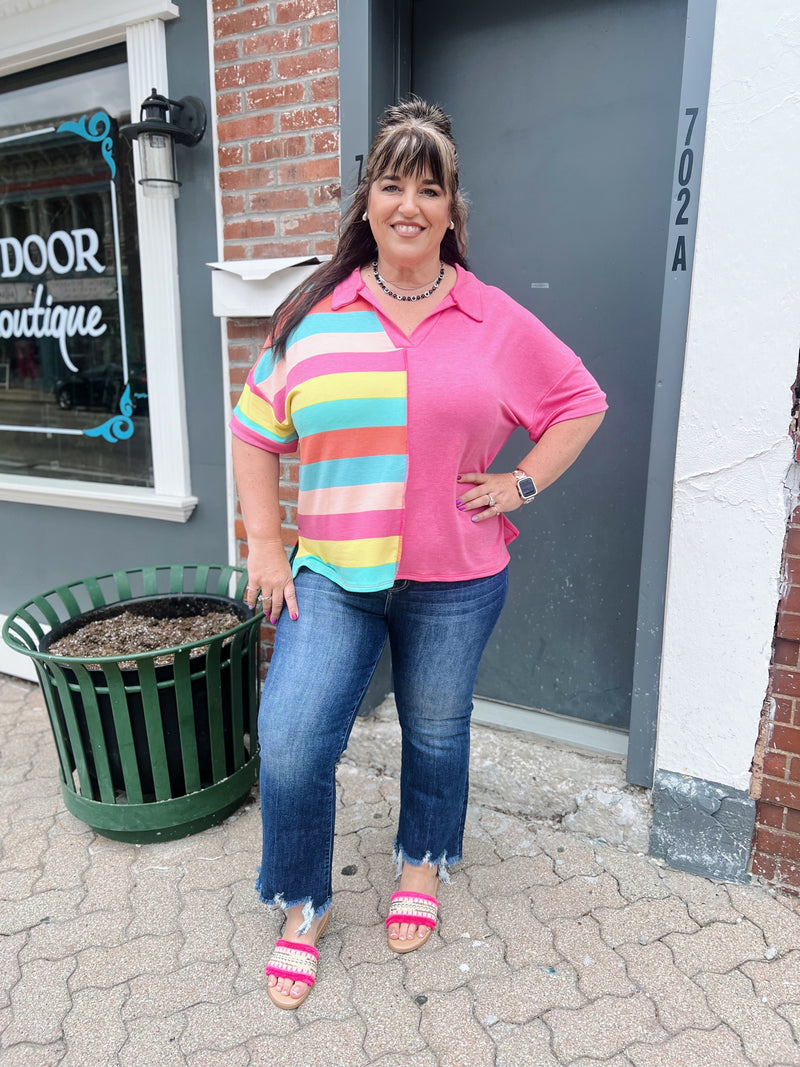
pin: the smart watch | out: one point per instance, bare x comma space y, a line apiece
525, 487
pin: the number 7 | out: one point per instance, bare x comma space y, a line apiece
693, 111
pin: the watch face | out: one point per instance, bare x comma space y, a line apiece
526, 488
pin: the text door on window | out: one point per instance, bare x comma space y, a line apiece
565, 113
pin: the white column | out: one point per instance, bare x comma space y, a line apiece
158, 254
730, 501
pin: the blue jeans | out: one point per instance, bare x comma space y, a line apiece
320, 670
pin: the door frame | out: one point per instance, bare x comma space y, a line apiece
375, 66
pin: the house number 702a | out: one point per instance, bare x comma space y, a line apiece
684, 197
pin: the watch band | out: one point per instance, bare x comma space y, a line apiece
526, 486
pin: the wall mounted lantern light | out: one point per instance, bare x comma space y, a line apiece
157, 136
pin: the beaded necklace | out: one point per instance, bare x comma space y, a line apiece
396, 296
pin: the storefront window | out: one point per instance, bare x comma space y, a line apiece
73, 382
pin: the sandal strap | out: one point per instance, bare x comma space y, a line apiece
294, 960
416, 908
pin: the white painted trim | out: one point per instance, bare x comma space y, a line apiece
140, 24
14, 663
91, 496
33, 32
569, 731
734, 460
158, 256
230, 485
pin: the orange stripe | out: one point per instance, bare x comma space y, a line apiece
350, 443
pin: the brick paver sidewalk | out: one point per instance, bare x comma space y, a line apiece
552, 949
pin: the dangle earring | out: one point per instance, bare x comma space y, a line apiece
364, 217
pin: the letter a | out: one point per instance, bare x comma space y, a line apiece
679, 259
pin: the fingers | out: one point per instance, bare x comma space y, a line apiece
273, 597
492, 512
489, 496
283, 596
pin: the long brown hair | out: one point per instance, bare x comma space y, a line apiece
413, 138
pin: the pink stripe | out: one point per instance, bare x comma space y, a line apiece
266, 443
401, 917
276, 399
293, 976
336, 360
404, 894
351, 499
351, 527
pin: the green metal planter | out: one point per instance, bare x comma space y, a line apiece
149, 751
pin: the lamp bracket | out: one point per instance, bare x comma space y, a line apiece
186, 124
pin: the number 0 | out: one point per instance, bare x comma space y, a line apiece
685, 166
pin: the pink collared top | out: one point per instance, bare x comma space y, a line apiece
382, 490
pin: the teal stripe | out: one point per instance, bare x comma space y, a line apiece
357, 470
264, 367
350, 414
336, 322
261, 431
330, 322
354, 579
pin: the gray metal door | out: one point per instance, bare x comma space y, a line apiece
566, 113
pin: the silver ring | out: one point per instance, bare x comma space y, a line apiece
496, 509
491, 501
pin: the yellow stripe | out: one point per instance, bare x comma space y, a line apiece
363, 385
262, 413
368, 552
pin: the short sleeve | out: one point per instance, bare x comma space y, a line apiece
261, 417
574, 395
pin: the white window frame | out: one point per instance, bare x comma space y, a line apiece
73, 27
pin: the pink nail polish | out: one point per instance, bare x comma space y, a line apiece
459, 504
273, 622
294, 616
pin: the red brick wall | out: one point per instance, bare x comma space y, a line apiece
776, 767
277, 83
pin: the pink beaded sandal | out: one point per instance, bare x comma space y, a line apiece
417, 908
294, 960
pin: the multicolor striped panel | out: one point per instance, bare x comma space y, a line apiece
339, 396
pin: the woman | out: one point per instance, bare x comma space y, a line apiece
399, 376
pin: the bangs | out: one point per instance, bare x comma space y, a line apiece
417, 152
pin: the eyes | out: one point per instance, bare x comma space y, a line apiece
431, 192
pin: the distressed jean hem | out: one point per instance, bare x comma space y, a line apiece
310, 913
400, 856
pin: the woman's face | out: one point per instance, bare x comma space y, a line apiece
409, 216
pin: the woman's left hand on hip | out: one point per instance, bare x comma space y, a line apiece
489, 496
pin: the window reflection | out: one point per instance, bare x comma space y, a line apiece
73, 382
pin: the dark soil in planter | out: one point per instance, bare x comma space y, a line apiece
130, 633
167, 621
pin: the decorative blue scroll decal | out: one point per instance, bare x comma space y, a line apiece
118, 427
96, 128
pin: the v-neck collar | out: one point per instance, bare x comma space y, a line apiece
465, 295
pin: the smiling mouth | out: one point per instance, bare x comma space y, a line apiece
405, 227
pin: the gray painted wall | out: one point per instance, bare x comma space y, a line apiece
44, 546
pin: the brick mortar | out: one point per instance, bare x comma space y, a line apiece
776, 848
289, 100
